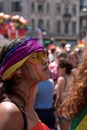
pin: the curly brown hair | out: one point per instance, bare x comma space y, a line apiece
78, 97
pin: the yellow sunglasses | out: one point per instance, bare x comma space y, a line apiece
37, 57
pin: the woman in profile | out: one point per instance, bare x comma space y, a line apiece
23, 63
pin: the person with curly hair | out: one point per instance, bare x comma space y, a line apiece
23, 64
75, 106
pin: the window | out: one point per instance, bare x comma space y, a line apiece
16, 6
58, 8
32, 6
73, 27
81, 4
58, 26
48, 7
1, 7
66, 27
66, 11
33, 25
40, 8
74, 10
40, 24
48, 25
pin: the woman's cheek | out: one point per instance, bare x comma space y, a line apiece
35, 72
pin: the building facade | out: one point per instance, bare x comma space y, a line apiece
83, 19
58, 18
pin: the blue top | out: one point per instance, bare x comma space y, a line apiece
44, 98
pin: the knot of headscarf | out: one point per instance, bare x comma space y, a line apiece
17, 56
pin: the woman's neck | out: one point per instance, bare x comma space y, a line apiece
24, 95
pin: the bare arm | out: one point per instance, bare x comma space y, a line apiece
60, 89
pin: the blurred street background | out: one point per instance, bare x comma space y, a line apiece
57, 22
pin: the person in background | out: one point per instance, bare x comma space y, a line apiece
23, 64
74, 59
79, 53
62, 88
75, 105
52, 64
44, 103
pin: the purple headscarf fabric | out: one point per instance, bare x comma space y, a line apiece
15, 55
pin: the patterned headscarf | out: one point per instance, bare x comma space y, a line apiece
17, 56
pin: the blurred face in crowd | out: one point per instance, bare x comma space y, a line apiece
61, 70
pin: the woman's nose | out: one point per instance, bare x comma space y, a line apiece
45, 60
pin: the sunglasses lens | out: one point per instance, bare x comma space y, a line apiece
45, 55
38, 56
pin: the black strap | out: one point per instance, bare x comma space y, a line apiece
23, 114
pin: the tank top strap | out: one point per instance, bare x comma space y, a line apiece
24, 116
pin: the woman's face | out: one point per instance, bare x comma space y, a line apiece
74, 60
61, 71
38, 66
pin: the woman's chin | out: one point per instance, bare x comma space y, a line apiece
46, 77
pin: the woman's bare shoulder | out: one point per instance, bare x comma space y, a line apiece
10, 116
61, 79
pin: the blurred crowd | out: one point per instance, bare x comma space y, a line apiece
63, 64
